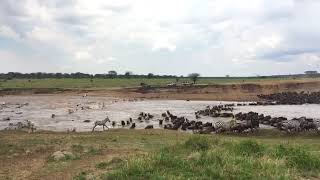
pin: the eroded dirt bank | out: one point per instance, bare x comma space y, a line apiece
228, 92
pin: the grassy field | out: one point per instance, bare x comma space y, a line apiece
132, 82
159, 154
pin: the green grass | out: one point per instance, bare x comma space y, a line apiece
81, 176
207, 158
160, 154
123, 82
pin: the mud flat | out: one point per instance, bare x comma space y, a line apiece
86, 110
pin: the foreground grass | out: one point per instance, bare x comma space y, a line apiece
213, 158
132, 82
159, 154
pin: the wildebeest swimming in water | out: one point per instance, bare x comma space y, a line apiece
240, 123
145, 116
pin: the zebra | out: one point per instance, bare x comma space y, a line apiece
245, 126
291, 125
101, 123
317, 125
221, 126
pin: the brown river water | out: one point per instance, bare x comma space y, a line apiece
39, 108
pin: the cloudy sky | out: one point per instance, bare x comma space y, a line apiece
212, 37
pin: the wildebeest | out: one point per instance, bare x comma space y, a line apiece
133, 126
149, 127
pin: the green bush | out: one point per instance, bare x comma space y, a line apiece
81, 176
298, 157
94, 151
249, 148
102, 165
197, 143
227, 160
77, 148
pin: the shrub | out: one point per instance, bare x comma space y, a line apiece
94, 151
80, 176
77, 148
102, 165
249, 148
198, 143
297, 157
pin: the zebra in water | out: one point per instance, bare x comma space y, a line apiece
101, 123
291, 125
317, 123
222, 126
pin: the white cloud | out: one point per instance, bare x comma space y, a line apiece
7, 32
83, 55
211, 36
42, 34
107, 60
163, 45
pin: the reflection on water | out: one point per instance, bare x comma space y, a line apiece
41, 108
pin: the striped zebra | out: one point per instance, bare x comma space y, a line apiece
222, 126
291, 125
101, 123
317, 125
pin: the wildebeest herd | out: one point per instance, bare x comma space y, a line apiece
232, 122
239, 123
292, 97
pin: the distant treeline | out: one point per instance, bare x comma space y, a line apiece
114, 74
77, 75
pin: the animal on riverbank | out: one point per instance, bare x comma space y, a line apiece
133, 126
27, 124
149, 127
292, 97
101, 123
291, 125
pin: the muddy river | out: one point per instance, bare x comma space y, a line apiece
39, 108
